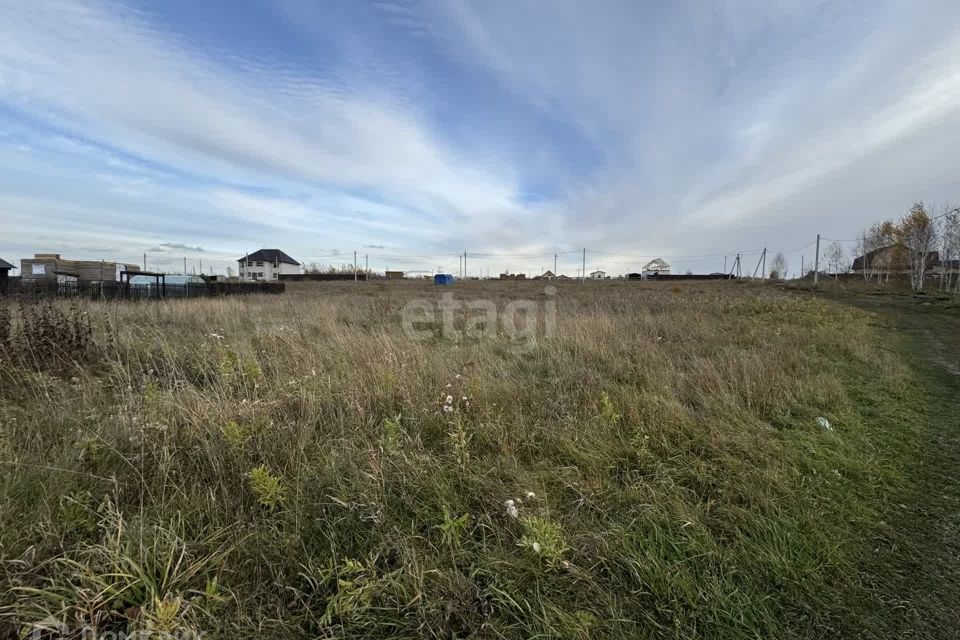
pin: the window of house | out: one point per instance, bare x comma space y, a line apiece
259, 264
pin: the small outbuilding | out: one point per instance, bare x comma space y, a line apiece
5, 268
443, 279
598, 275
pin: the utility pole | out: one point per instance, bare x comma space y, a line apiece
724, 264
366, 264
763, 276
354, 267
758, 267
554, 265
144, 262
464, 265
201, 266
802, 274
816, 264
583, 273
184, 265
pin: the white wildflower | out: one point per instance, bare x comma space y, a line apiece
459, 376
512, 510
447, 408
531, 495
536, 547
449, 400
824, 424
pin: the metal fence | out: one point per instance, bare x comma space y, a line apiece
126, 291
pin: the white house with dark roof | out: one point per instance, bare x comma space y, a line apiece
266, 264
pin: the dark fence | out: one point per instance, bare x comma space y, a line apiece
320, 277
681, 276
126, 291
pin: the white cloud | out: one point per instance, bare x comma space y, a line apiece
637, 128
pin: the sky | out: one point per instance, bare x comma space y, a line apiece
411, 131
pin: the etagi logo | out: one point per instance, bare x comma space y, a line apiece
53, 629
521, 321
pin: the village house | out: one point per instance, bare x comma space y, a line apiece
267, 264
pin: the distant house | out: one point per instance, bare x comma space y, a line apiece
598, 275
547, 275
893, 260
656, 267
267, 264
394, 275
513, 276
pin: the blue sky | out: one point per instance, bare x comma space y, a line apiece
412, 130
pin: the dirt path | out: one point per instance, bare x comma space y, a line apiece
914, 574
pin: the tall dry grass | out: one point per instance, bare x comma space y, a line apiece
285, 467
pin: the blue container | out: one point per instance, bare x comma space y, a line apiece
443, 279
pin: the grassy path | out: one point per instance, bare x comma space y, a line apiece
913, 576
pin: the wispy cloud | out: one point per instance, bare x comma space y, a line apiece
436, 126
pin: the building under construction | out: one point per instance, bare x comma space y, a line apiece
50, 266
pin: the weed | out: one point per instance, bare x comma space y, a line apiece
268, 489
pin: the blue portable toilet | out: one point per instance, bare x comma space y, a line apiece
443, 279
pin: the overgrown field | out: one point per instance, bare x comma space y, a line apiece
297, 466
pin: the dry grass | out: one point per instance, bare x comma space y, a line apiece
283, 466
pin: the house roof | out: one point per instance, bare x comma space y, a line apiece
933, 258
658, 264
269, 255
6, 265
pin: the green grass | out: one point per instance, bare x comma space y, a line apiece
285, 467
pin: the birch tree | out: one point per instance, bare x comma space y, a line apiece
949, 235
835, 258
917, 233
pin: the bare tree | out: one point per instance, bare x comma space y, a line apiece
778, 268
835, 257
949, 235
918, 235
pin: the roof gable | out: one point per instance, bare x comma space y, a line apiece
658, 264
269, 255
6, 265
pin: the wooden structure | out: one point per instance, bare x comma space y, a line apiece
50, 266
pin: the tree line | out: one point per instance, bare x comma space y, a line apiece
921, 244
